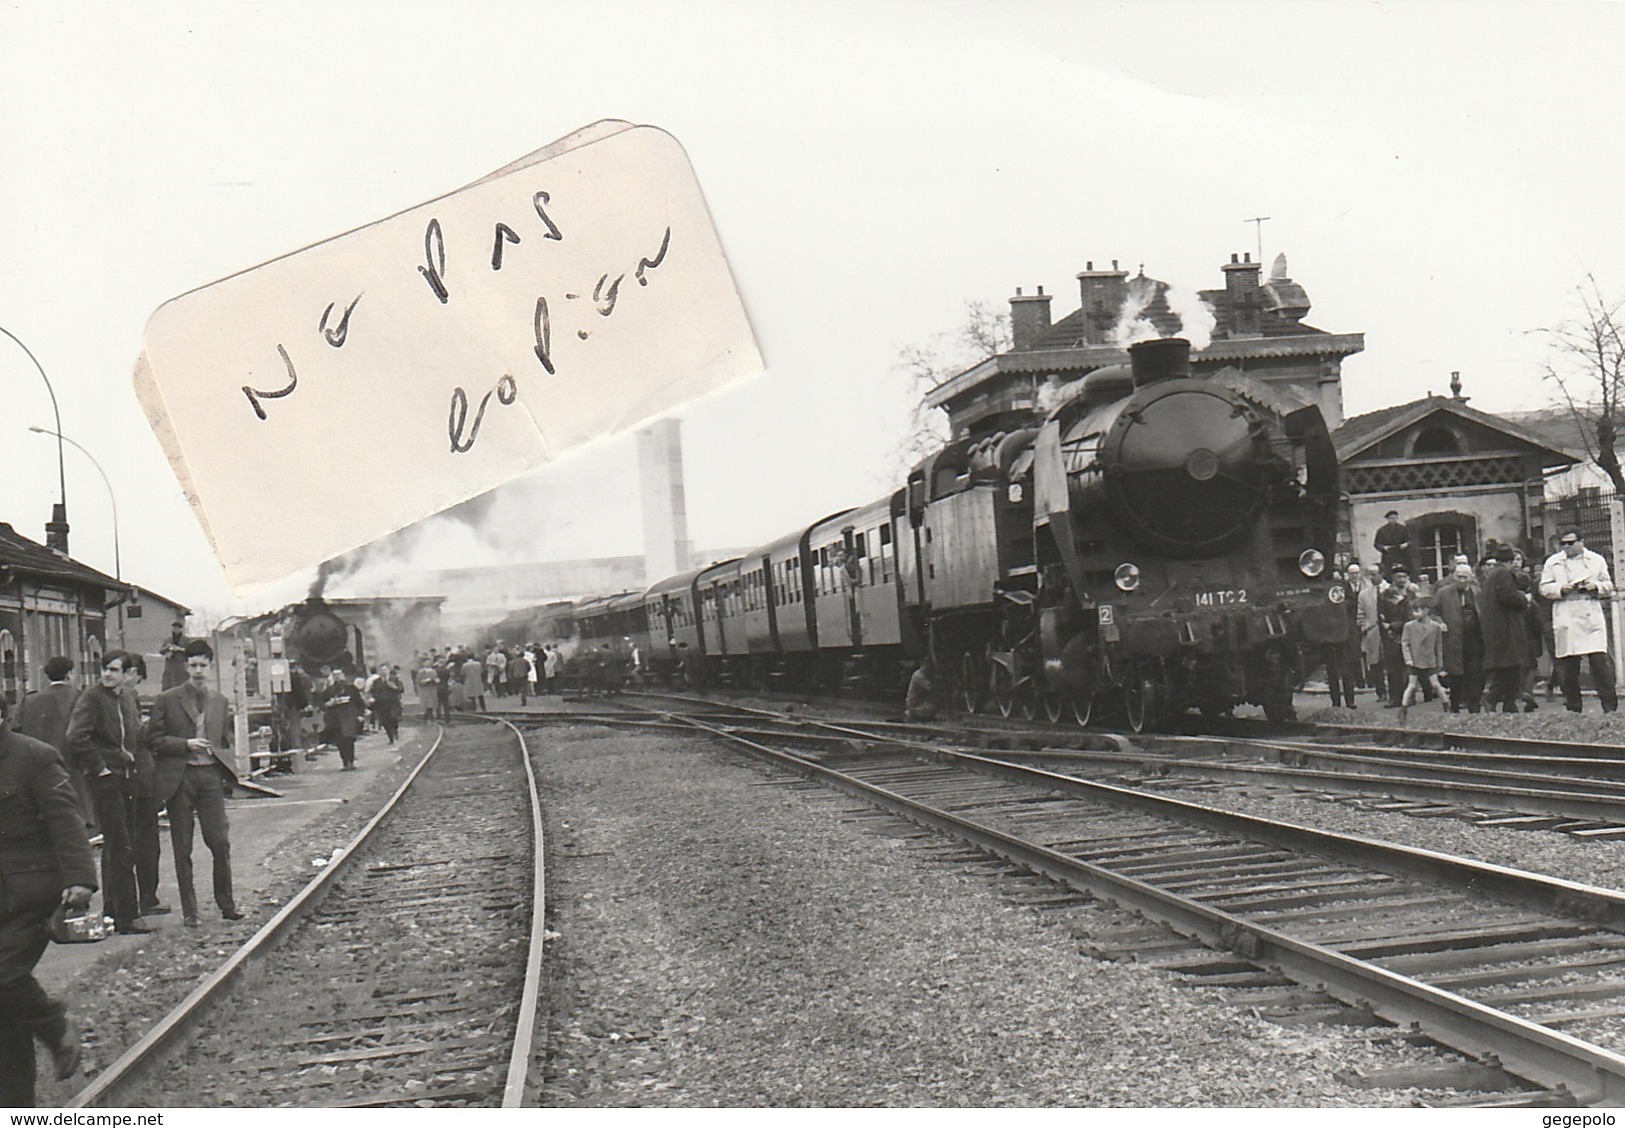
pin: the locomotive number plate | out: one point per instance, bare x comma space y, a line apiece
1224, 598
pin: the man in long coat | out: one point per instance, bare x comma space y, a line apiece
1369, 639
45, 861
190, 734
1503, 617
102, 743
1576, 580
342, 709
1457, 604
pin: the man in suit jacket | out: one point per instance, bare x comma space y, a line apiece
44, 715
102, 743
190, 735
45, 861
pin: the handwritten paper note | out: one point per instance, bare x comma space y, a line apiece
576, 293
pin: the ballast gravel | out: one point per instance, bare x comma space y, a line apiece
723, 935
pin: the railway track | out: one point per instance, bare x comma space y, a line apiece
405, 975
1521, 972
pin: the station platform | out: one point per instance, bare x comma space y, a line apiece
259, 826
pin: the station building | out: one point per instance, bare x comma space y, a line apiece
50, 604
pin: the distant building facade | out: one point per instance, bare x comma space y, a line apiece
1257, 332
50, 604
1458, 478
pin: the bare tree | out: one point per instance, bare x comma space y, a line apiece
1588, 366
984, 332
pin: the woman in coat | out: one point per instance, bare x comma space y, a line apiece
1503, 617
474, 684
427, 680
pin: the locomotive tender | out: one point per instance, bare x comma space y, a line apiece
1156, 543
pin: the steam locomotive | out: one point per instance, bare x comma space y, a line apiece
1156, 543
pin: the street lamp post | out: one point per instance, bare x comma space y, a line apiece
118, 566
56, 530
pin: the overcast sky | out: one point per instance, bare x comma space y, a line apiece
1440, 176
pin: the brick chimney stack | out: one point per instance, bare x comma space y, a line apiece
1102, 292
1029, 318
1241, 295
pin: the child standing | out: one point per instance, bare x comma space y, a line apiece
1422, 644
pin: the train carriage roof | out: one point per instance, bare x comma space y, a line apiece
865, 515
671, 584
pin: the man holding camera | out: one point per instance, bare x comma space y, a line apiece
1575, 579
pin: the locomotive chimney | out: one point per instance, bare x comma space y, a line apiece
1168, 358
1029, 318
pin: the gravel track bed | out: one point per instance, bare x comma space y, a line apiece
120, 997
1542, 852
404, 981
726, 939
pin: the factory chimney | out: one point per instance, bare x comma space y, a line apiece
665, 512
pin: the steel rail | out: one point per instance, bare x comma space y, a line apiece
1541, 1055
1606, 804
513, 1091
135, 1063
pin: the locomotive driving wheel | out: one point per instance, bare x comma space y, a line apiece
970, 682
1054, 706
1139, 701
1027, 699
1083, 708
1004, 690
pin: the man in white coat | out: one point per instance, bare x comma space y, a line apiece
1576, 580
1364, 588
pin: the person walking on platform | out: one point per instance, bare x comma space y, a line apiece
102, 744
144, 828
190, 735
44, 715
496, 669
1576, 580
474, 683
1503, 617
342, 709
45, 861
174, 652
550, 669
427, 680
519, 677
1365, 588
1393, 612
387, 692
1463, 654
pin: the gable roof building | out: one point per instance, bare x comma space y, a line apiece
50, 604
1252, 327
1458, 477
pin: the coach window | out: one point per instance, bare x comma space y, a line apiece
885, 554
8, 666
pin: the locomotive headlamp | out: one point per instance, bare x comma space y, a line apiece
1312, 563
1336, 594
1127, 577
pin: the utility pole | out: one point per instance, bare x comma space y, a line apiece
1259, 221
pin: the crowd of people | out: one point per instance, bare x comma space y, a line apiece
460, 679
1474, 640
83, 767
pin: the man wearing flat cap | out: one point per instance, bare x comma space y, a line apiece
1576, 580
1393, 542
1393, 612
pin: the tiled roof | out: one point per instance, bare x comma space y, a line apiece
1361, 431
30, 558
